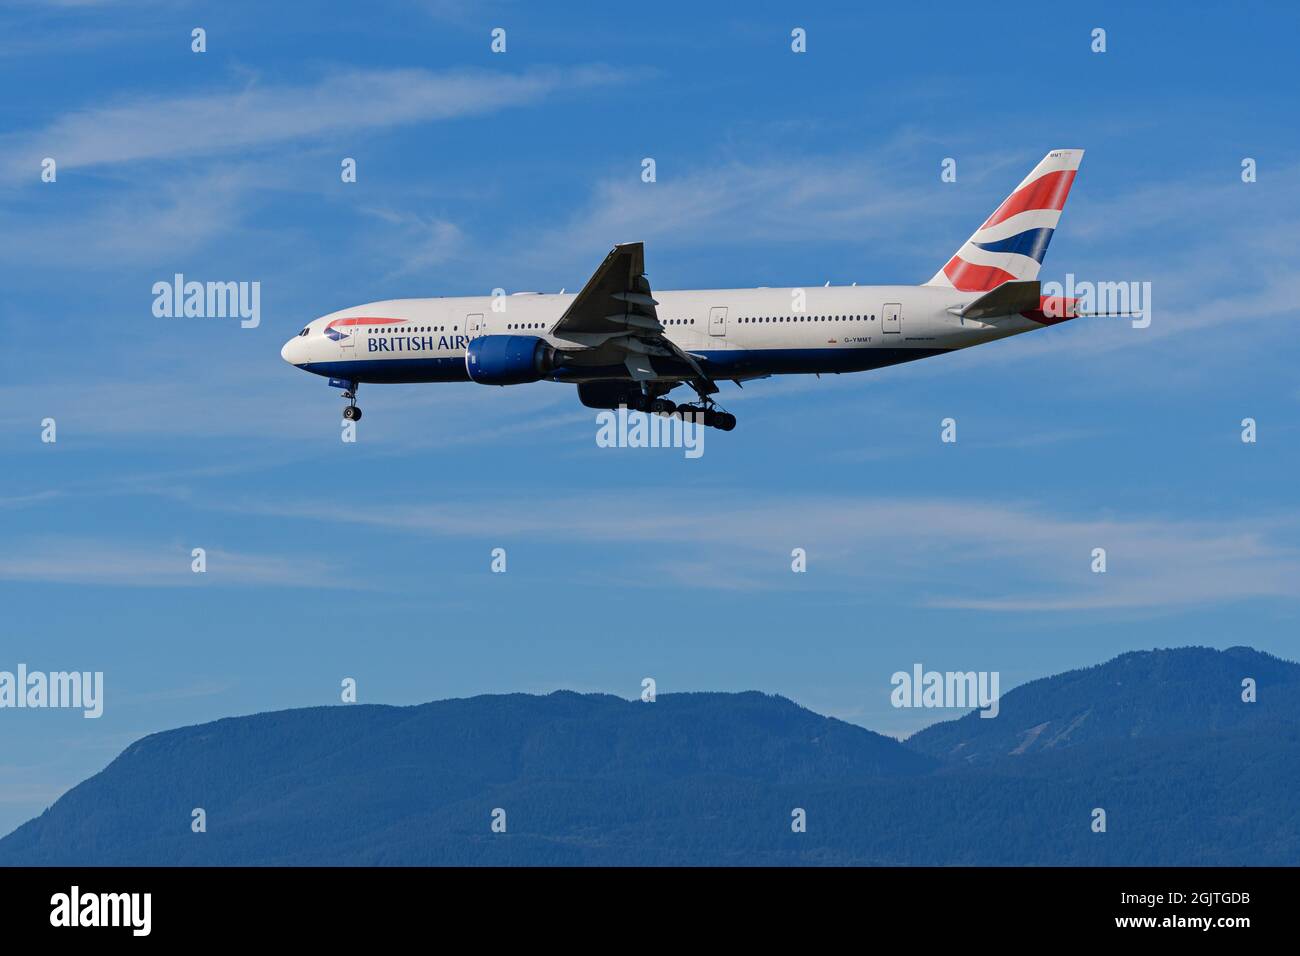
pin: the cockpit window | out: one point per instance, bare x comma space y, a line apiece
304, 332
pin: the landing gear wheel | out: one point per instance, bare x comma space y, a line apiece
639, 403
708, 415
663, 406
350, 411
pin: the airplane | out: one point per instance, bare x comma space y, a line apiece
624, 345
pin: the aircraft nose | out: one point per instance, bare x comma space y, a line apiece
294, 351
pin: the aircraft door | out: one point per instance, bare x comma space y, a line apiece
474, 325
891, 317
718, 320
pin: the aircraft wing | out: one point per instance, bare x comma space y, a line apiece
615, 314
616, 299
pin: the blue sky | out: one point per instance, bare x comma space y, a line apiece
519, 171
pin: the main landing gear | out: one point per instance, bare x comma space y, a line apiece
658, 405
706, 413
709, 415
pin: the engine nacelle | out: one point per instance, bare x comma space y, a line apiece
508, 359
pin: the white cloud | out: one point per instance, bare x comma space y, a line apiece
957, 553
845, 197
417, 242
138, 224
204, 124
108, 562
22, 501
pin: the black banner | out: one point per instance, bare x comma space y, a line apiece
332, 905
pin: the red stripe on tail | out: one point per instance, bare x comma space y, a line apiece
972, 278
1046, 192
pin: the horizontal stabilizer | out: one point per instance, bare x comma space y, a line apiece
1010, 298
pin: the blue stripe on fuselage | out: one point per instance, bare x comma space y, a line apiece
735, 363
449, 368
728, 362
721, 363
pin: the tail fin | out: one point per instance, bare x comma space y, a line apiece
1012, 242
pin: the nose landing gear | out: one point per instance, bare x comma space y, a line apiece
351, 411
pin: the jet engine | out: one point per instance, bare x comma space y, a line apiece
508, 359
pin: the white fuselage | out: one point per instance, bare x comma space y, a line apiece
735, 333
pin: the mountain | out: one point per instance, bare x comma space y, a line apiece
1186, 772
1139, 695
375, 784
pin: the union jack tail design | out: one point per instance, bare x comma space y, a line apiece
1012, 242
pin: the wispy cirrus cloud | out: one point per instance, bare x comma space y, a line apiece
210, 401
23, 501
417, 242
777, 200
155, 127
112, 563
953, 553
19, 788
138, 224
